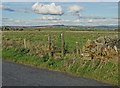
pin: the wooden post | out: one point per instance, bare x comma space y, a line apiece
49, 46
25, 46
77, 49
62, 45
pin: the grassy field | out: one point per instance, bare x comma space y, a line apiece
14, 50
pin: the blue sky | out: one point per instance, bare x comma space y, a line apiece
57, 13
61, 0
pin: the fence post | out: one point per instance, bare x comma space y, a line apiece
28, 45
25, 46
49, 46
62, 45
77, 49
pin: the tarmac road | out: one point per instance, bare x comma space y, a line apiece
20, 75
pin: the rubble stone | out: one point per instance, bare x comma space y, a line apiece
104, 46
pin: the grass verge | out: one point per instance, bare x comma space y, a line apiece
107, 73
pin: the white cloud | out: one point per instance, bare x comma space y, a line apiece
47, 9
92, 17
1, 6
77, 20
60, 0
49, 18
75, 9
90, 21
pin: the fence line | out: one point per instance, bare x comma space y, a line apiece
42, 50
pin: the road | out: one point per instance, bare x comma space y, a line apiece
20, 75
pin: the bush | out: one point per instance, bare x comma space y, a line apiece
45, 58
22, 50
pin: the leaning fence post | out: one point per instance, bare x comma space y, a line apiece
62, 45
25, 43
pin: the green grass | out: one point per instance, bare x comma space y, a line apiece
70, 37
107, 73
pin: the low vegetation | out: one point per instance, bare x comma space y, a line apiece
66, 51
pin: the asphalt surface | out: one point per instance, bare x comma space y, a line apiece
20, 75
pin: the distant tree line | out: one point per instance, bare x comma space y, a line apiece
7, 28
13, 28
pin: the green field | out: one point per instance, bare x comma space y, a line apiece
36, 52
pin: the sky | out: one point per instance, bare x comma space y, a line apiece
59, 13
60, 0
